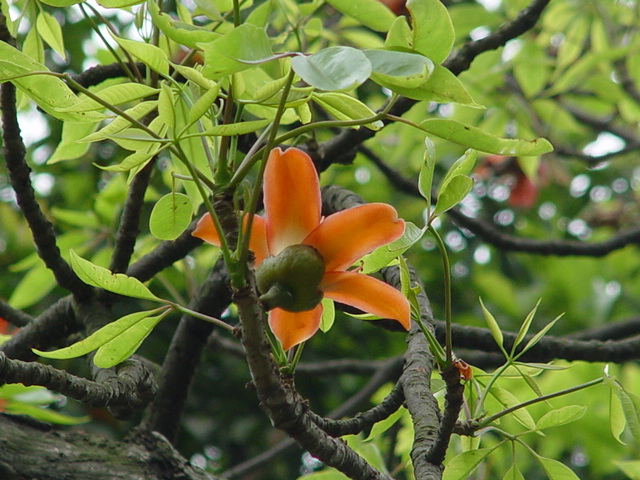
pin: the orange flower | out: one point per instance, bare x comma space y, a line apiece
292, 217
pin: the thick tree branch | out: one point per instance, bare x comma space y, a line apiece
30, 450
452, 403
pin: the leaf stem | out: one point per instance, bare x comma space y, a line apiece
447, 293
484, 423
202, 316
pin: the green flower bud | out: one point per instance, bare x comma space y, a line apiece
290, 280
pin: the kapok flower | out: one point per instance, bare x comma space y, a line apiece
301, 256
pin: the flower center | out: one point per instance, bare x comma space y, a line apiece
290, 279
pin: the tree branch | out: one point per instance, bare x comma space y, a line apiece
130, 386
30, 449
15, 317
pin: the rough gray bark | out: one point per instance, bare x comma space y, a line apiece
33, 450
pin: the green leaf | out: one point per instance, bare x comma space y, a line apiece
195, 76
236, 128
114, 95
513, 473
370, 13
536, 338
399, 35
630, 410
473, 137
77, 218
181, 33
391, 68
461, 466
328, 314
61, 3
462, 166
494, 328
170, 216
556, 470
631, 468
126, 343
98, 338
152, 56
433, 33
135, 160
33, 287
508, 400
382, 256
113, 282
442, 87
617, 420
202, 106
425, 178
345, 107
524, 328
166, 105
50, 31
118, 3
44, 414
118, 124
333, 69
453, 192
70, 146
561, 416
49, 92
384, 425
237, 50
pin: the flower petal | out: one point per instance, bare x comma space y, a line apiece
291, 198
258, 239
206, 230
292, 328
344, 237
368, 294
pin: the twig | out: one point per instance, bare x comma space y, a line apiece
15, 317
